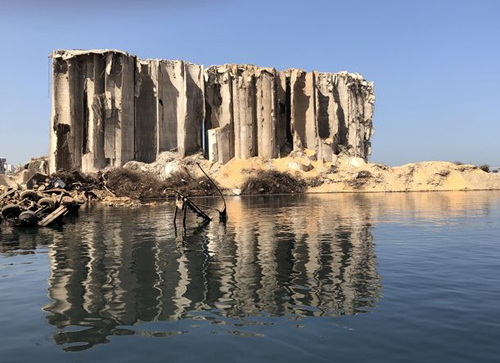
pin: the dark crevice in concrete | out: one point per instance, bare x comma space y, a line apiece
288, 112
323, 116
342, 134
63, 154
85, 144
145, 117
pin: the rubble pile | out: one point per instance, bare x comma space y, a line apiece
135, 184
41, 200
45, 203
273, 182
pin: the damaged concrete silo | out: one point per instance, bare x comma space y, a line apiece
110, 107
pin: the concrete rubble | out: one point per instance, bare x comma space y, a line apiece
110, 107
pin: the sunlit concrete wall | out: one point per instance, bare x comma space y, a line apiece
110, 107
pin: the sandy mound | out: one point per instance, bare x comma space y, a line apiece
349, 174
346, 174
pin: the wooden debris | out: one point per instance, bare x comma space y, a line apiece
48, 202
54, 216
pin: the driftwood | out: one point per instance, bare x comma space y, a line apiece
54, 216
105, 185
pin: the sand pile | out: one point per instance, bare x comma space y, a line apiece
349, 174
345, 174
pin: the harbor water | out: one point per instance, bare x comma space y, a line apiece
406, 277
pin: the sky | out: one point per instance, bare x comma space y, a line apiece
435, 64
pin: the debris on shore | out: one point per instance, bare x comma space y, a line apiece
46, 203
42, 200
273, 182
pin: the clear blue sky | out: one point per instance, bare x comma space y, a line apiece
436, 64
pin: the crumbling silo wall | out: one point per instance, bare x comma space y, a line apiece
110, 107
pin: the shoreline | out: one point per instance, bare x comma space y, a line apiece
298, 173
172, 199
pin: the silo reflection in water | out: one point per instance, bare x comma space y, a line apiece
276, 257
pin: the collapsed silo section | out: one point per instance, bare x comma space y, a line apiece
219, 119
253, 100
92, 122
355, 99
177, 91
303, 112
241, 114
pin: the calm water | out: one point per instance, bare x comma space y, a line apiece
397, 277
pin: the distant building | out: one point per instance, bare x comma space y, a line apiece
10, 168
3, 163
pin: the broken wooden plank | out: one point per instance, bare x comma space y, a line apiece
54, 216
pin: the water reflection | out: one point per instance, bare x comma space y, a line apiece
276, 257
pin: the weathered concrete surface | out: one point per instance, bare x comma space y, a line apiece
146, 80
110, 107
189, 131
219, 119
119, 92
245, 113
170, 86
92, 110
266, 113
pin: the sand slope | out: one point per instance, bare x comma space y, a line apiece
354, 175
